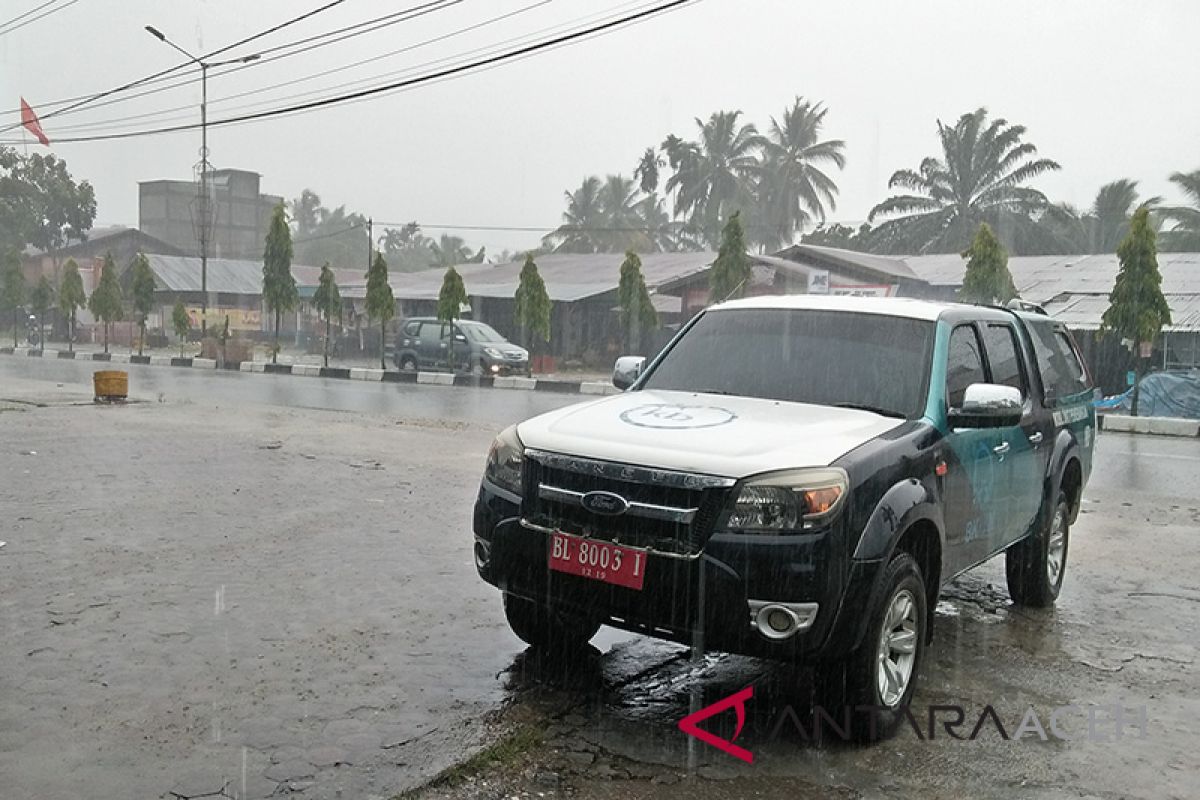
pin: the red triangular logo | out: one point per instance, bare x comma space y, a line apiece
737, 701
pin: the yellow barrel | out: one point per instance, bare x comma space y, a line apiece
111, 384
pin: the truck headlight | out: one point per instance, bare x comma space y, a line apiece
504, 461
788, 501
493, 352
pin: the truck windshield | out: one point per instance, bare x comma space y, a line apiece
867, 361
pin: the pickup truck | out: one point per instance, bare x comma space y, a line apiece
797, 477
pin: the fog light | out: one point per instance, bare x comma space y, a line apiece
781, 620
483, 554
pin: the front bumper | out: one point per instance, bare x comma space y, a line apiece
710, 600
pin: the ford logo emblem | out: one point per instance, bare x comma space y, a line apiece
606, 503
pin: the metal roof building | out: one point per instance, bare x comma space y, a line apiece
1075, 288
568, 277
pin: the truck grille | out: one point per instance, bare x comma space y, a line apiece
670, 512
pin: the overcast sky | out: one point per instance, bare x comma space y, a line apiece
1105, 88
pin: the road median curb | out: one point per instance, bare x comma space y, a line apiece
517, 382
1153, 426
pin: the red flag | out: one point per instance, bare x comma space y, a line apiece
30, 121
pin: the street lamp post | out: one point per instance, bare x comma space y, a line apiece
204, 210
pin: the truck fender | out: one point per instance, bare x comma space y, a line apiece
907, 502
1065, 448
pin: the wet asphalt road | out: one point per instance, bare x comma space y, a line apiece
486, 406
225, 589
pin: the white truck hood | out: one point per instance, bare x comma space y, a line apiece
712, 434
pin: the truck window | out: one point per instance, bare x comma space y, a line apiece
964, 365
431, 331
1062, 373
1001, 344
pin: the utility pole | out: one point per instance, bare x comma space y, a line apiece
204, 210
370, 240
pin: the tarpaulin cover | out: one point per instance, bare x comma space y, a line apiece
1173, 393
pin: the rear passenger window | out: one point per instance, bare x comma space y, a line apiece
1062, 373
412, 329
964, 365
1001, 343
431, 331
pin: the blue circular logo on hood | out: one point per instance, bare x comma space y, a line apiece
672, 416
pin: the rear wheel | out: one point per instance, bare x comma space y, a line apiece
540, 625
1036, 565
408, 364
877, 681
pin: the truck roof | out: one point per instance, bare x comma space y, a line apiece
886, 306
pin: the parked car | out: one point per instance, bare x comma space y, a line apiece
427, 343
796, 478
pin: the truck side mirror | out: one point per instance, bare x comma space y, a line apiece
988, 405
626, 371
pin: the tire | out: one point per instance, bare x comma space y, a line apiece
480, 369
1036, 565
877, 694
538, 625
407, 364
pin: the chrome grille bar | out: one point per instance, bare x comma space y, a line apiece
683, 516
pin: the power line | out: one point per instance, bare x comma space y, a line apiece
482, 64
96, 126
35, 19
177, 67
20, 17
378, 23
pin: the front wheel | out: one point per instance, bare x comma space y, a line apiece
540, 625
1036, 565
875, 684
408, 364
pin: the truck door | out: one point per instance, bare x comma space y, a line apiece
975, 482
1028, 443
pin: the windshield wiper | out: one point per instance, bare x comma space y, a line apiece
884, 412
715, 391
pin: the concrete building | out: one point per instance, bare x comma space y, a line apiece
167, 210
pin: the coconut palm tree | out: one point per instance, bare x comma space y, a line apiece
979, 178
623, 223
715, 175
1102, 227
647, 170
1184, 235
449, 251
793, 190
581, 220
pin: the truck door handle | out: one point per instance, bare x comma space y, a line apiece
1036, 439
1002, 448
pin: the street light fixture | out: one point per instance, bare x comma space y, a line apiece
204, 210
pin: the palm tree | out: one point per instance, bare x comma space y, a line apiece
449, 251
978, 179
1185, 234
581, 220
1102, 227
715, 176
793, 190
646, 171
622, 219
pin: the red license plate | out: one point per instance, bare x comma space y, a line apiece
600, 561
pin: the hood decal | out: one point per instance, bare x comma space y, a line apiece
675, 416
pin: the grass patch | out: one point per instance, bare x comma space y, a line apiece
508, 750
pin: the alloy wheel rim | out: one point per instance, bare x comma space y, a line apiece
1056, 549
897, 653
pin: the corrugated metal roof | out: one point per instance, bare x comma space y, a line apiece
568, 277
235, 276
1075, 288
1040, 278
834, 257
1084, 311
